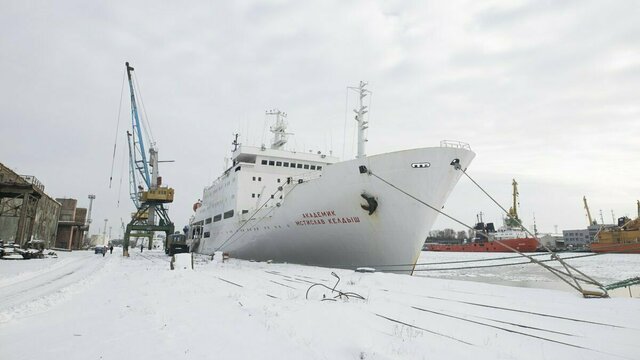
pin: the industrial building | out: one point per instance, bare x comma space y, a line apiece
582, 238
26, 211
71, 225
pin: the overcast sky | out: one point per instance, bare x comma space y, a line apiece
546, 92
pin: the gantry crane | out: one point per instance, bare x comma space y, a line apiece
146, 191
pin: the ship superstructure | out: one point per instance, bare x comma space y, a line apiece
311, 208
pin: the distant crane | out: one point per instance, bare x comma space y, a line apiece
512, 219
145, 188
586, 207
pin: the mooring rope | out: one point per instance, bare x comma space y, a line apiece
554, 271
591, 281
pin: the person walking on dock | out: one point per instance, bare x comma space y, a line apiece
111, 249
141, 247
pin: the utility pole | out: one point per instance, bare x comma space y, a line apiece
104, 232
88, 220
91, 198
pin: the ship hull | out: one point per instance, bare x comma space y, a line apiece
620, 248
322, 221
522, 245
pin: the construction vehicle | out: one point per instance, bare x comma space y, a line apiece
176, 244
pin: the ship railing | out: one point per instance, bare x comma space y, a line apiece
455, 144
306, 176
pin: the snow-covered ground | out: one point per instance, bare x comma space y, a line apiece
86, 306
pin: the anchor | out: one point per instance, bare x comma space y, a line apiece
372, 203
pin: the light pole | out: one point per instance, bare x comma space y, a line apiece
104, 232
88, 220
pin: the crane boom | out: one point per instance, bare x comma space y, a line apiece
586, 207
140, 164
133, 184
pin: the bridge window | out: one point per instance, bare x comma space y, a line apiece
285, 164
207, 234
228, 214
313, 167
319, 167
208, 221
272, 163
217, 218
278, 163
264, 162
293, 165
306, 166
299, 166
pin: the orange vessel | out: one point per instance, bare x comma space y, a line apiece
624, 239
521, 244
621, 248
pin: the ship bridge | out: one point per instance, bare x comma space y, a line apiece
265, 156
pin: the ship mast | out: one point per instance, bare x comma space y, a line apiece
279, 130
362, 124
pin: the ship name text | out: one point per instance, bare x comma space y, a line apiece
326, 217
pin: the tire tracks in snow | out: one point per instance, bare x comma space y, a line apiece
50, 286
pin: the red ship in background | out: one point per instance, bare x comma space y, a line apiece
488, 239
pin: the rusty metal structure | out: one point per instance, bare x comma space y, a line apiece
26, 211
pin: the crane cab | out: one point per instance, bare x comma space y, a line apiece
159, 195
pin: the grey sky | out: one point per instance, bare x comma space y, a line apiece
545, 92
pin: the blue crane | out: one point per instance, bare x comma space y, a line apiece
137, 156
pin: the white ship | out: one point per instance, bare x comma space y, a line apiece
311, 208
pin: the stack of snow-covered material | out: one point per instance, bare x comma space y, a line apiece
182, 261
12, 251
217, 257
